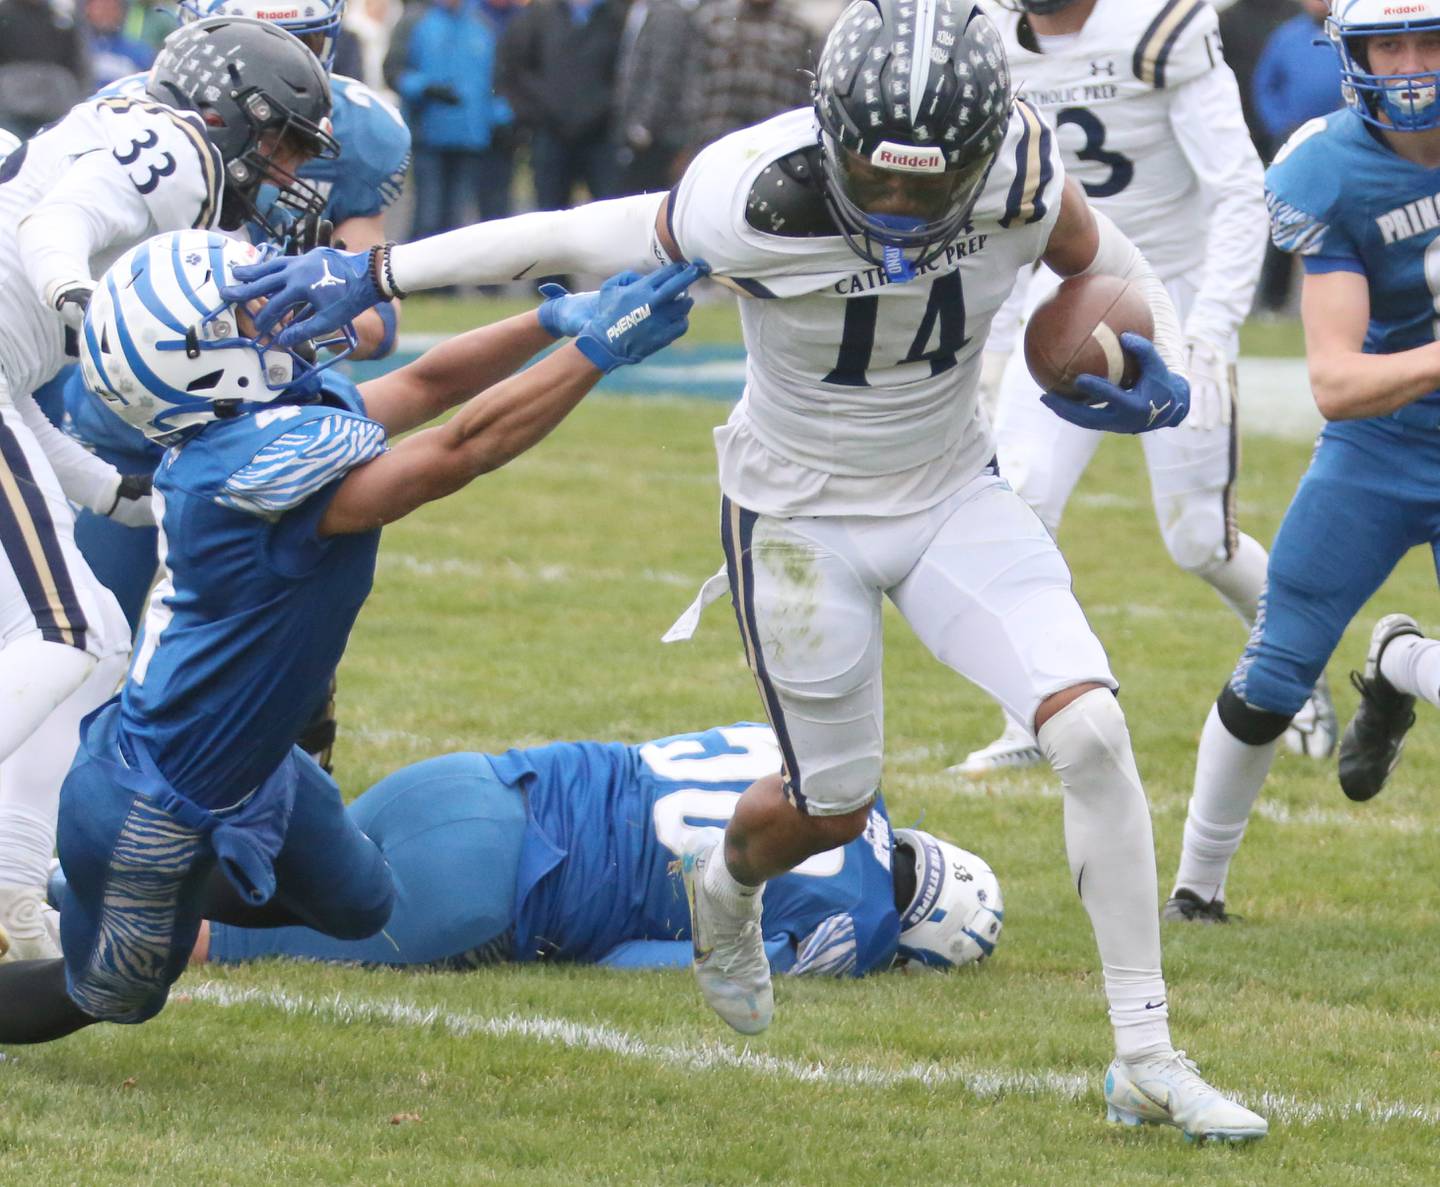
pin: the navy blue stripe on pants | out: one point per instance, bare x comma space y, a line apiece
32, 547
737, 529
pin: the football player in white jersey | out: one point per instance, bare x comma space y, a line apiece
873, 238
1148, 119
73, 198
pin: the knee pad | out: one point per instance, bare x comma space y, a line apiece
1090, 729
1254, 727
1195, 539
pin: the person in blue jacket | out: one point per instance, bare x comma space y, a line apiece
570, 852
277, 478
446, 76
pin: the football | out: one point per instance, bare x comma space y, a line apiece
1076, 331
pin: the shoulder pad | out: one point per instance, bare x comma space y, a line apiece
787, 200
290, 453
1303, 188
1181, 42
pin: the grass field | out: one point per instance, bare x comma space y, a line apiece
529, 608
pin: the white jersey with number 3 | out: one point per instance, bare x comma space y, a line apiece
860, 394
126, 169
1148, 119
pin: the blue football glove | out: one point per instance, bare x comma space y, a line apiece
563, 314
1159, 399
332, 287
637, 315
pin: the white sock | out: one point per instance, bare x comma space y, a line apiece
1112, 859
30, 778
1228, 778
1412, 664
1239, 579
722, 887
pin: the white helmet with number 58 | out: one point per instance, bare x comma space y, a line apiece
955, 915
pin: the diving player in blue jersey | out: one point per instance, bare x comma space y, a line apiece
1355, 196
569, 852
277, 479
358, 185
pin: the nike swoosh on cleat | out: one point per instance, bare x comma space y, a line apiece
521, 274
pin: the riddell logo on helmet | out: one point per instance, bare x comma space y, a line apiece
907, 158
278, 14
1405, 10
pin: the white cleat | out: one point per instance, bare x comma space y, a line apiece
1013, 750
730, 961
30, 924
1166, 1089
1313, 731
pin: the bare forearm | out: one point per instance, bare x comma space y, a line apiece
502, 423
1349, 385
453, 372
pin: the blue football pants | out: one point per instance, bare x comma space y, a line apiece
451, 833
1371, 494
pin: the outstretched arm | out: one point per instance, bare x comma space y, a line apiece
330, 288
634, 317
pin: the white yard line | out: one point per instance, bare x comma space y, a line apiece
983, 1084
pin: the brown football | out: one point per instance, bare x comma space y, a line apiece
1076, 331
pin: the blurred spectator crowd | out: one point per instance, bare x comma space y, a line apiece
598, 97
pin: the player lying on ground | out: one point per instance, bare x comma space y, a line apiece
570, 852
194, 151
1352, 195
874, 236
271, 500
1149, 122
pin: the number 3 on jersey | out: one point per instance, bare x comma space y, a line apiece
144, 167
1122, 168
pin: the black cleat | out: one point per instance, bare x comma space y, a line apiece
1371, 746
1185, 906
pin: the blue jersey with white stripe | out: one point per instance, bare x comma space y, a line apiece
253, 608
608, 822
1342, 199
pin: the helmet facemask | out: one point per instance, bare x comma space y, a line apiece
168, 354
287, 198
888, 212
1392, 102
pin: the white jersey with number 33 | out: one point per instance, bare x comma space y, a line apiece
861, 393
123, 170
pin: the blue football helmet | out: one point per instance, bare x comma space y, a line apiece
956, 912
1398, 102
315, 22
168, 354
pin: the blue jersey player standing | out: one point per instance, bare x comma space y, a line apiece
1355, 195
270, 498
570, 852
